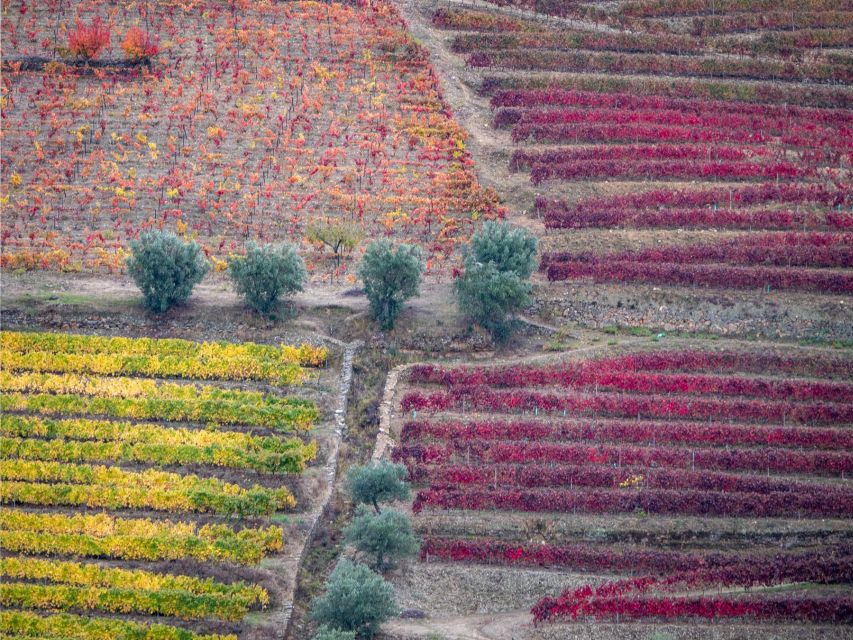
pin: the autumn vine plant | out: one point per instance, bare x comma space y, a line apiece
125, 426
256, 119
684, 441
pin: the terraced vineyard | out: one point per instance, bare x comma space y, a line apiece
249, 121
655, 485
701, 145
583, 267
133, 489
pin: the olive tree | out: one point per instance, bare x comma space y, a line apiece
495, 283
165, 268
266, 273
356, 599
386, 536
378, 482
390, 278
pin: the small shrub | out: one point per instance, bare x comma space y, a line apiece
390, 278
165, 268
338, 236
266, 273
138, 45
356, 599
386, 536
378, 482
325, 633
87, 41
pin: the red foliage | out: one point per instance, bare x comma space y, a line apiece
718, 208
776, 94
718, 362
790, 131
600, 430
692, 568
138, 45
707, 264
667, 170
832, 609
824, 567
617, 404
635, 102
656, 501
527, 159
611, 133
87, 41
728, 459
825, 501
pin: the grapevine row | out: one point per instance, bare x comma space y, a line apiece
659, 170
790, 249
56, 483
536, 59
285, 418
61, 353
110, 387
728, 568
827, 610
599, 430
828, 500
175, 603
769, 20
612, 374
79, 440
723, 197
555, 96
615, 404
558, 216
527, 159
765, 126
94, 575
305, 355
105, 536
609, 133
703, 275
165, 366
717, 459
669, 8
654, 501
831, 566
21, 624
738, 92
673, 360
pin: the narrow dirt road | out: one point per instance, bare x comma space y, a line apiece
488, 626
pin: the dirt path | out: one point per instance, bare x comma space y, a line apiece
118, 293
290, 567
491, 626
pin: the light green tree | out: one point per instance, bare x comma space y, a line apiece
495, 284
165, 268
385, 537
356, 599
378, 482
266, 273
390, 278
